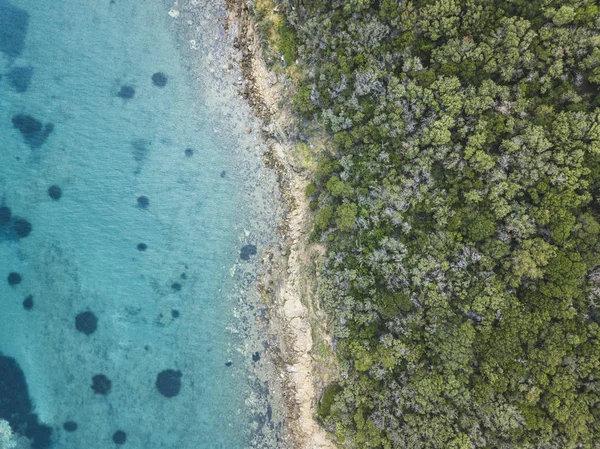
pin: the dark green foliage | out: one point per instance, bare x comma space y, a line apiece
327, 400
462, 217
302, 102
323, 217
287, 43
482, 227
311, 189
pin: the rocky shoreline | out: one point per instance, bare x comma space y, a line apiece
287, 284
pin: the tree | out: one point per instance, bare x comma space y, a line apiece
345, 215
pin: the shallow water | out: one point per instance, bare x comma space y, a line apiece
81, 110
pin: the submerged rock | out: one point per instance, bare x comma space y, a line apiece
22, 227
126, 92
168, 383
159, 79
119, 437
32, 130
70, 426
189, 152
143, 202
14, 278
86, 322
20, 78
175, 313
28, 302
247, 251
142, 247
14, 23
55, 192
101, 384
26, 124
176, 286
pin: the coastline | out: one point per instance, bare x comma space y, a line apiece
288, 284
474, 222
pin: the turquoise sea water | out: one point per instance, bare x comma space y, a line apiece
80, 109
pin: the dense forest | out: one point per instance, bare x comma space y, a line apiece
460, 208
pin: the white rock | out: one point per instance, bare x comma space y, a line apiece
174, 13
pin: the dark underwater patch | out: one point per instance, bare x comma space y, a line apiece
143, 202
101, 384
20, 78
5, 215
12, 227
26, 124
168, 383
28, 302
39, 434
70, 426
14, 279
13, 29
126, 92
86, 322
247, 251
21, 227
119, 437
33, 131
54, 192
15, 405
189, 152
140, 152
176, 286
142, 247
159, 79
